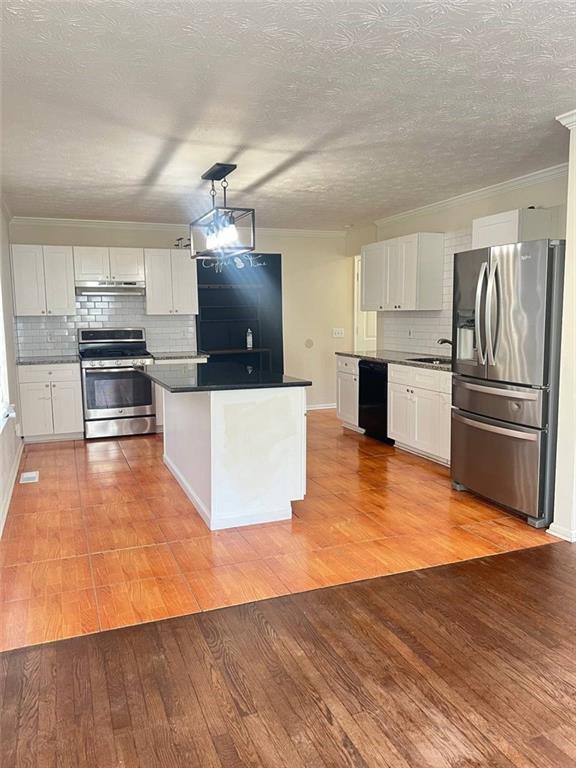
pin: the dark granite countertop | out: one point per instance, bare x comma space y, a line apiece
48, 360
401, 358
210, 377
178, 355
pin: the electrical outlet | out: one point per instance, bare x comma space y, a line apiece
338, 333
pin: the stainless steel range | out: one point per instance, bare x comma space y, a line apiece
118, 399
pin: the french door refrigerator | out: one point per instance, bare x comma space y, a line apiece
505, 358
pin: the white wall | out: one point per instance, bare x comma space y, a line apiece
316, 273
10, 444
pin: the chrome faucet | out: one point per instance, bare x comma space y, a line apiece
444, 341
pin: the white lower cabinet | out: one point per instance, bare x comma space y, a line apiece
67, 407
36, 407
347, 398
401, 414
50, 400
419, 417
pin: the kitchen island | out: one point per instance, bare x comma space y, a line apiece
234, 439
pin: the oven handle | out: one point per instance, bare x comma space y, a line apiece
111, 370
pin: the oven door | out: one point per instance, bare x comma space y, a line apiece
111, 393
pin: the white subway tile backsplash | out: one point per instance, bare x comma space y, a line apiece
36, 335
420, 331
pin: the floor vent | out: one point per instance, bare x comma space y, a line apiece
30, 477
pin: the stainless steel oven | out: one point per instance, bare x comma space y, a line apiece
118, 399
116, 393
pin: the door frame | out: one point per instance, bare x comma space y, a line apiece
358, 312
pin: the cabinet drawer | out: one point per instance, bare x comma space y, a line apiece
438, 381
46, 373
346, 364
423, 378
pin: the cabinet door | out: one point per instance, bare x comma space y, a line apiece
444, 416
127, 264
401, 426
59, 277
158, 270
426, 421
36, 408
498, 229
184, 282
91, 263
406, 273
28, 278
372, 277
347, 398
67, 407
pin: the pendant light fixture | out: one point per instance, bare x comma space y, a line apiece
222, 231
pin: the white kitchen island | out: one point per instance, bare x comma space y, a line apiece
235, 439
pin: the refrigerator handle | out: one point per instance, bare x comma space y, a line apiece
478, 307
490, 290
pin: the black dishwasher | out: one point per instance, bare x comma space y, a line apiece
373, 400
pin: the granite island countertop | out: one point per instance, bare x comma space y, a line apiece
48, 360
401, 358
178, 355
214, 377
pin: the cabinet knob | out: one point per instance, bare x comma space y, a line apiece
170, 311
43, 311
46, 385
175, 310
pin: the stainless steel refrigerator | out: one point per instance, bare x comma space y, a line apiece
505, 358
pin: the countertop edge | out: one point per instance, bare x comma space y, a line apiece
392, 360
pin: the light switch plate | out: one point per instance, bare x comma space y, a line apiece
338, 333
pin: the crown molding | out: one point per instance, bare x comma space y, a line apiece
38, 221
568, 119
162, 226
537, 177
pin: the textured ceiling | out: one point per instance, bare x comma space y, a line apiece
336, 112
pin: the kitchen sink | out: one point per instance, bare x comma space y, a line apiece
431, 360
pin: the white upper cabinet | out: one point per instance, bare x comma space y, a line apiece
171, 282
184, 282
512, 227
372, 277
59, 277
127, 264
158, 270
28, 277
91, 263
404, 273
43, 280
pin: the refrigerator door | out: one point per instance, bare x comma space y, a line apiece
516, 312
500, 461
471, 270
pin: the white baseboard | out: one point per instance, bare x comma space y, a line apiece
561, 532
5, 502
54, 438
429, 456
320, 406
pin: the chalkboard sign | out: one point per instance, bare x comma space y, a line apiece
236, 294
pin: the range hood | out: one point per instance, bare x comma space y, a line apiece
110, 288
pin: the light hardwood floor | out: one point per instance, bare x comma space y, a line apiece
108, 539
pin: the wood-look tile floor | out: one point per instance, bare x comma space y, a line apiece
108, 539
